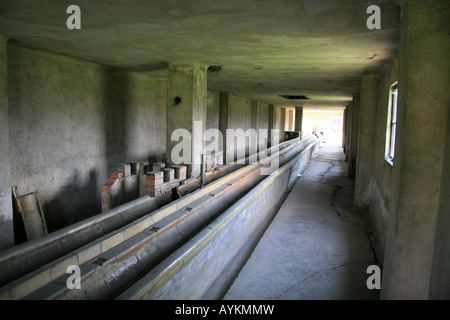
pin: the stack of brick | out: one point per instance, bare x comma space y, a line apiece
179, 172
126, 184
155, 180
160, 183
130, 182
106, 190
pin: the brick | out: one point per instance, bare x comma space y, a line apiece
104, 194
105, 188
180, 172
169, 174
156, 174
117, 175
111, 181
153, 183
155, 178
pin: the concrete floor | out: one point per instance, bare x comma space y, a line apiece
317, 247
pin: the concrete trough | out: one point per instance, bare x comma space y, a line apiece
112, 263
24, 258
189, 271
39, 274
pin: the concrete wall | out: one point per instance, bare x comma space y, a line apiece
212, 109
279, 121
239, 117
423, 106
440, 277
6, 215
382, 170
263, 116
71, 123
244, 113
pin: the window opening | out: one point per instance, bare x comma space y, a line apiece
391, 124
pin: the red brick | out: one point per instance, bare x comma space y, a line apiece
155, 174
155, 182
117, 175
152, 178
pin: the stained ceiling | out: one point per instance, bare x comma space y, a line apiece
263, 49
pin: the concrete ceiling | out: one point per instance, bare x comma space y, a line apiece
266, 48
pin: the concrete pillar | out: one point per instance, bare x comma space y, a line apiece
353, 152
440, 277
6, 213
255, 125
160, 119
298, 118
344, 129
282, 122
422, 122
271, 123
187, 89
348, 130
224, 100
366, 141
255, 104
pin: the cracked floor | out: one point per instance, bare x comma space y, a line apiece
318, 246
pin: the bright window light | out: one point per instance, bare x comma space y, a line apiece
391, 124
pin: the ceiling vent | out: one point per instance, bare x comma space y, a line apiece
289, 97
215, 69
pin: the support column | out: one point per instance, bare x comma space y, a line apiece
298, 118
422, 122
6, 213
366, 141
224, 100
160, 119
255, 104
282, 123
344, 129
271, 123
354, 137
187, 89
348, 130
255, 144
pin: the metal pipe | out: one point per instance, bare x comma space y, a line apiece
26, 257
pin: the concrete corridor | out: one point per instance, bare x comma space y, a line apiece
318, 246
